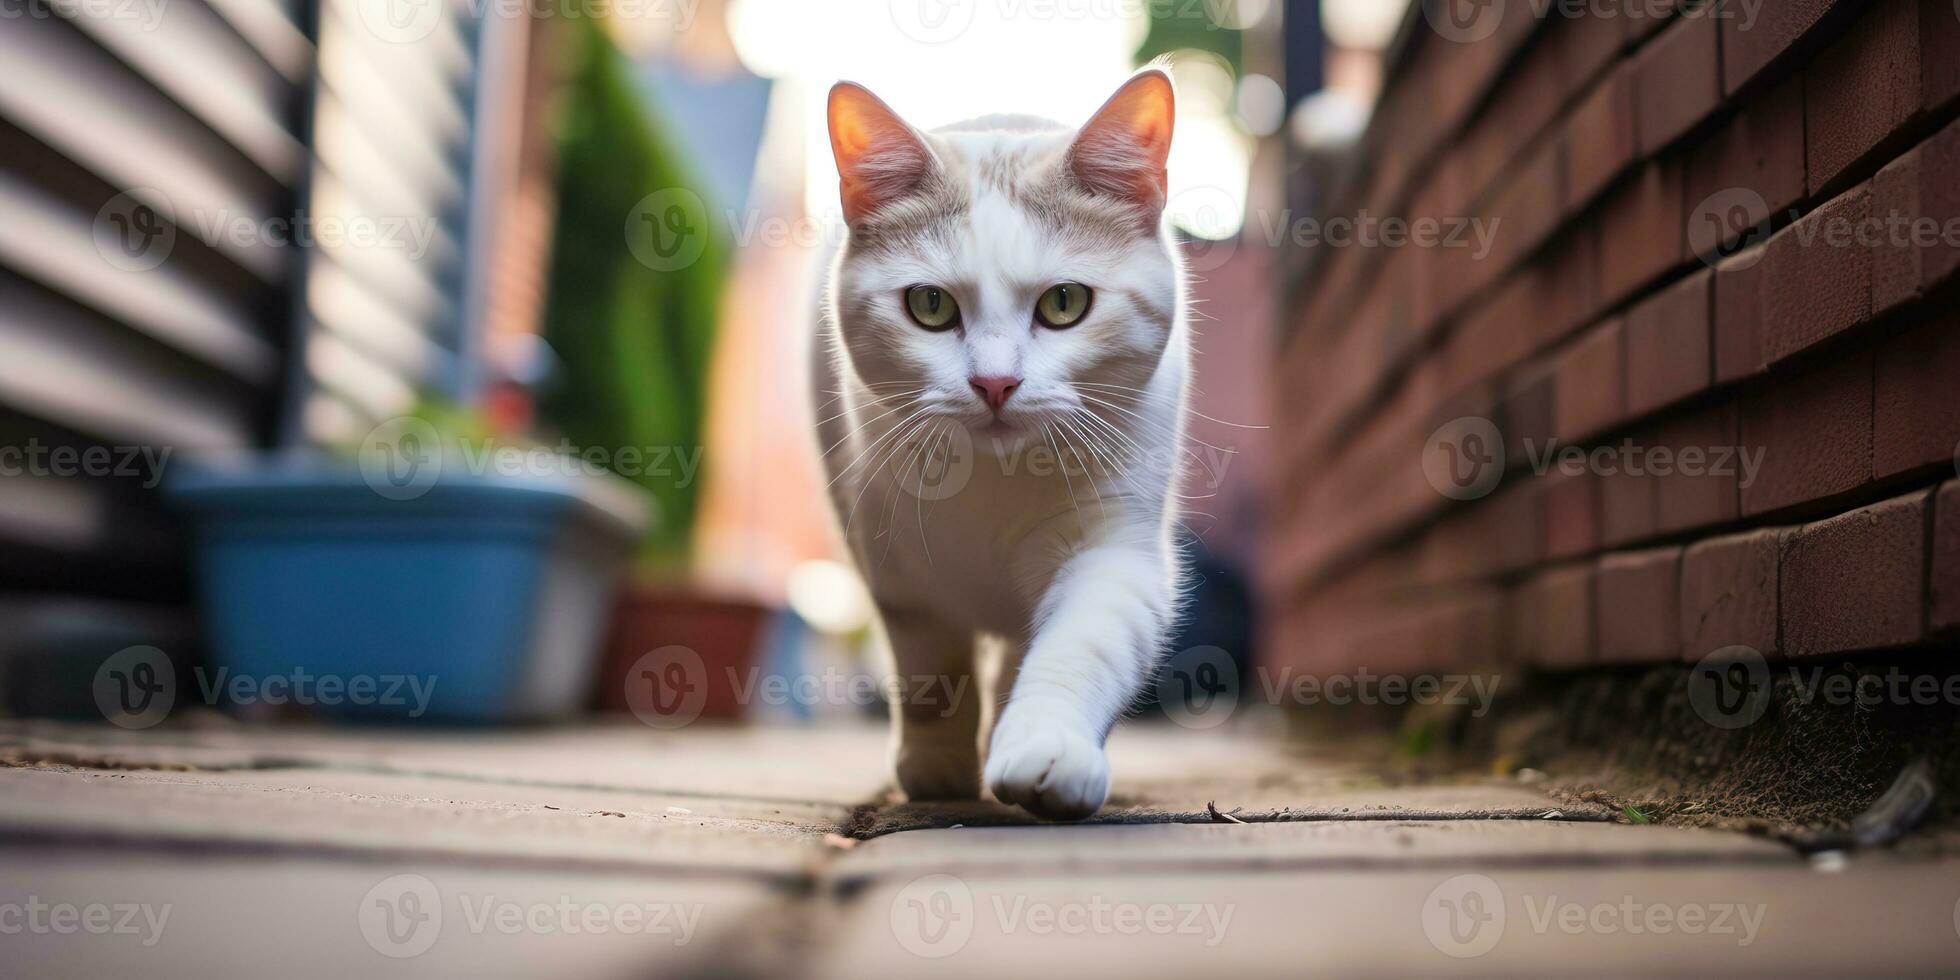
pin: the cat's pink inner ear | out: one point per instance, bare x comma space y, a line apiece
1123, 149
880, 159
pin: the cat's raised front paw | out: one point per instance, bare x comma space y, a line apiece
1053, 772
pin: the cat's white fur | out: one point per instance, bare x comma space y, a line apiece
1071, 570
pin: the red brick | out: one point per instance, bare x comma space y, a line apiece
1814, 432
1582, 46
1638, 598
1916, 403
1525, 103
1495, 335
1780, 25
1738, 317
1528, 207
1640, 19
1678, 81
1939, 41
1553, 618
1590, 395
1600, 141
1862, 89
1469, 629
1896, 266
1704, 469
1626, 503
1644, 230
1918, 193
1527, 416
1761, 151
1943, 611
1817, 277
1509, 529
1667, 340
1856, 581
1571, 514
1729, 594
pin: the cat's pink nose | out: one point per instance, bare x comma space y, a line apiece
994, 390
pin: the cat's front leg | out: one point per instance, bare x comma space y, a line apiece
935, 707
1094, 647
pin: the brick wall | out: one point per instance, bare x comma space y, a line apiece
1723, 242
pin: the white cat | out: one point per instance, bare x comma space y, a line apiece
1001, 386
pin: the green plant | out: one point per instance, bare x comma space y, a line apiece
634, 341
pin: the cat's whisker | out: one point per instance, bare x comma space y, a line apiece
875, 402
898, 479
1132, 448
919, 498
871, 476
1153, 422
1101, 510
1188, 411
1070, 481
1098, 444
860, 427
875, 442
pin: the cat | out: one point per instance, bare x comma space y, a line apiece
1000, 381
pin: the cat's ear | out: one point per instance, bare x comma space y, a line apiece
880, 159
1121, 152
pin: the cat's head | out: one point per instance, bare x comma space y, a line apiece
1008, 271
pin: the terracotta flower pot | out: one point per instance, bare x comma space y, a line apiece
675, 656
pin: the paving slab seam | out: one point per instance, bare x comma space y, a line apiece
799, 880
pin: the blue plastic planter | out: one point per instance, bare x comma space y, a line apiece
490, 592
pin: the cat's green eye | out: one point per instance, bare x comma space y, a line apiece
932, 307
1063, 305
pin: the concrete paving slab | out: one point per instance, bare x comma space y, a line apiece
1333, 845
328, 811
1875, 917
107, 913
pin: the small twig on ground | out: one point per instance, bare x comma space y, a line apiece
1217, 817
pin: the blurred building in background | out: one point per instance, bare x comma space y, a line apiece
241, 225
